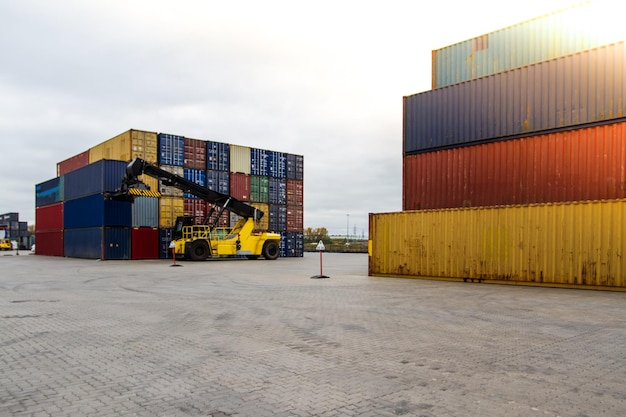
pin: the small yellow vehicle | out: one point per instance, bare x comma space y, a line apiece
5, 244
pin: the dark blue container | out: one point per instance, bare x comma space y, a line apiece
278, 217
218, 181
97, 243
97, 178
259, 164
277, 164
197, 176
165, 238
217, 156
96, 211
295, 166
277, 191
49, 192
171, 149
572, 91
291, 244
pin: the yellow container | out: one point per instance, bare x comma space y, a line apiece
127, 146
264, 223
562, 245
169, 209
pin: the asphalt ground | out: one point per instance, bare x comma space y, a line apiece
262, 338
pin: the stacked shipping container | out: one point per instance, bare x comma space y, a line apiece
271, 181
552, 131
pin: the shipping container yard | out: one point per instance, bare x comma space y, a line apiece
514, 164
76, 216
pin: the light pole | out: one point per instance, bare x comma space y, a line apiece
347, 228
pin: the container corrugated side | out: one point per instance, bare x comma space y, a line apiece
96, 211
546, 37
217, 156
291, 244
240, 186
127, 146
197, 176
295, 218
169, 209
49, 217
224, 217
171, 149
165, 238
584, 88
564, 244
240, 159
144, 243
259, 164
105, 243
72, 163
575, 165
49, 242
195, 153
50, 192
277, 164
145, 212
96, 178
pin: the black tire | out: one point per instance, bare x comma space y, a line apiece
253, 257
270, 250
199, 250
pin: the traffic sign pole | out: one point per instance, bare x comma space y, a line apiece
320, 247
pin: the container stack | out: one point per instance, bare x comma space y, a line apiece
76, 216
530, 117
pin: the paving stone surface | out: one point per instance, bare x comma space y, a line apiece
261, 338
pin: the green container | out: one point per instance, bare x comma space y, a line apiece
259, 189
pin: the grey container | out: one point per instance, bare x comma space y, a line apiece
145, 212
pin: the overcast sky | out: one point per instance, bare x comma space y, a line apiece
323, 79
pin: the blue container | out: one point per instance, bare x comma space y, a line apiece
277, 191
217, 156
97, 243
259, 164
295, 166
277, 218
49, 192
547, 37
277, 164
197, 176
291, 244
218, 181
165, 238
96, 211
171, 149
572, 91
97, 178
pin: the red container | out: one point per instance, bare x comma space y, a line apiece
224, 220
73, 163
295, 193
240, 186
195, 153
144, 243
295, 218
49, 217
575, 165
196, 208
49, 243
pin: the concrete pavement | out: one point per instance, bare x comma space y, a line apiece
261, 338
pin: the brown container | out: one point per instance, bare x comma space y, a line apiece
73, 163
575, 165
144, 243
295, 193
295, 218
196, 208
240, 186
49, 243
195, 153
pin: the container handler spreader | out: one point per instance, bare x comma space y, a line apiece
199, 242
